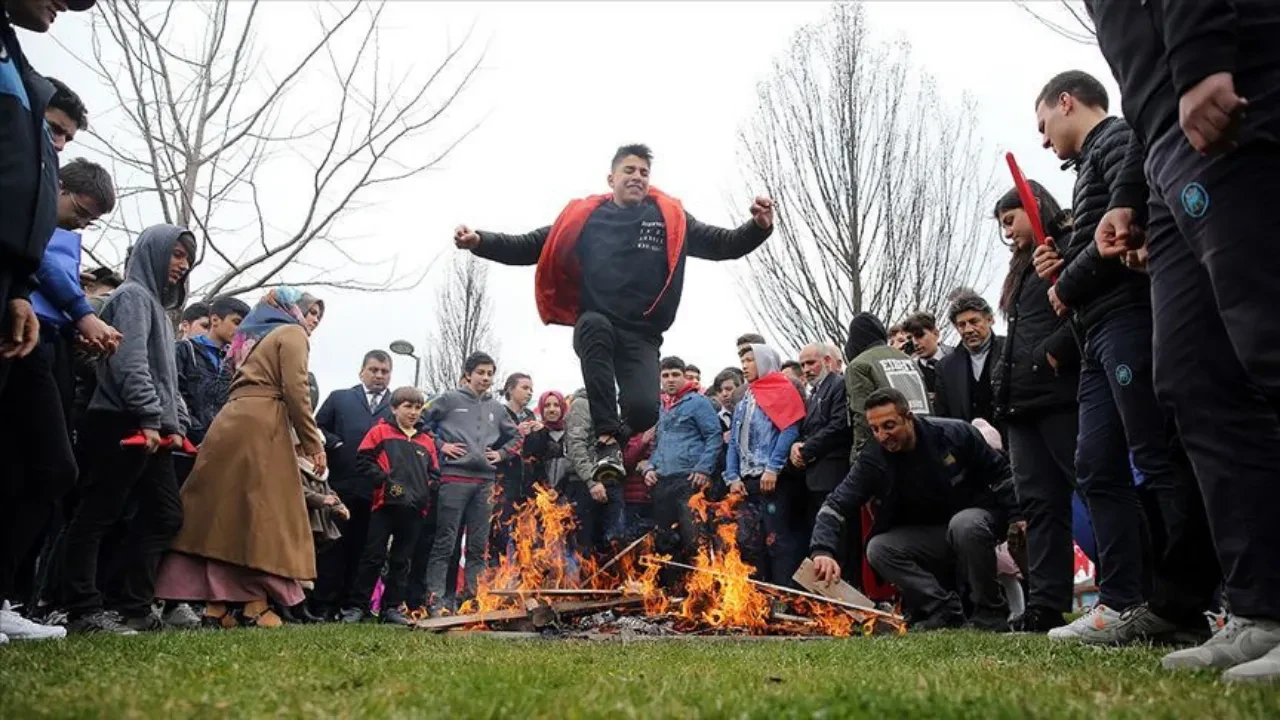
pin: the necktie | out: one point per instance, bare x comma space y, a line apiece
373, 401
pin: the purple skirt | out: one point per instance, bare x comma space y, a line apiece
191, 578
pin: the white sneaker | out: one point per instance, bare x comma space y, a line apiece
4, 639
1239, 641
1265, 669
17, 627
1099, 626
182, 617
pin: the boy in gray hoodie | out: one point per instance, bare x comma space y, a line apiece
474, 434
136, 397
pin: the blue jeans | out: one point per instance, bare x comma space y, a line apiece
1119, 415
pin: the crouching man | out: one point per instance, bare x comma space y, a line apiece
945, 501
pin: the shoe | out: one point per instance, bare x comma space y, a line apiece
350, 615
1141, 624
16, 627
395, 616
938, 621
993, 621
101, 621
4, 639
1037, 619
609, 468
258, 613
1099, 626
150, 622
181, 617
1239, 642
1265, 669
218, 617
299, 614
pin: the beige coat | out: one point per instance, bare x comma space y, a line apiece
243, 502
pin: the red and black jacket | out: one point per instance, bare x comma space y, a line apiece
403, 471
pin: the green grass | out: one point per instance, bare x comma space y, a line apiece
374, 671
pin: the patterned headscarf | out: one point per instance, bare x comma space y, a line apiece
277, 309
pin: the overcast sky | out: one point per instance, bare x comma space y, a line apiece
566, 83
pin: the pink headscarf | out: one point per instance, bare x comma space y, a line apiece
564, 409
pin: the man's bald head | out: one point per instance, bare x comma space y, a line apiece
834, 357
813, 363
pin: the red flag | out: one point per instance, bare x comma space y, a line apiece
779, 399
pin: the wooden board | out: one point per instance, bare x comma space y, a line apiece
559, 592
806, 578
452, 621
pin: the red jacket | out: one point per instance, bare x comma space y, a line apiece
558, 277
402, 470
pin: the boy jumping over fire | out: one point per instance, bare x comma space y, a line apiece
612, 267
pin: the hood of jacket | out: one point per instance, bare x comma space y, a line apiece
148, 263
865, 332
767, 360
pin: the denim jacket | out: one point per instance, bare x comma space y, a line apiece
767, 447
688, 438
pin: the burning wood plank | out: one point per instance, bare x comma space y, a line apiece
649, 559
619, 556
481, 618
559, 592
807, 578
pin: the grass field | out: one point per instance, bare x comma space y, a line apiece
375, 671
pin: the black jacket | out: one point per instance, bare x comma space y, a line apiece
1159, 49
28, 166
966, 473
198, 382
826, 435
701, 241
1023, 383
1094, 287
403, 471
345, 419
956, 398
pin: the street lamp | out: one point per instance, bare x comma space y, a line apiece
404, 347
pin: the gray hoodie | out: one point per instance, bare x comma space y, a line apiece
141, 378
479, 423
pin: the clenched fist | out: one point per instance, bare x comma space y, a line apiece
464, 238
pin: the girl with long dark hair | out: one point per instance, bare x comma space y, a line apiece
1035, 395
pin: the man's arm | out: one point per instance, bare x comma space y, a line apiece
509, 439
128, 366
858, 387
833, 433
848, 498
1200, 39
714, 243
512, 249
1129, 186
1089, 275
732, 461
1062, 345
709, 428
942, 404
61, 291
327, 421
781, 449
367, 457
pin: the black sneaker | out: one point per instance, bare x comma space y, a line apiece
100, 621
394, 616
938, 621
351, 615
993, 621
609, 468
1039, 620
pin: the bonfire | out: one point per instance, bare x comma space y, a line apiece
543, 584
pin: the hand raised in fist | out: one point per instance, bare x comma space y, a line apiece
762, 212
464, 238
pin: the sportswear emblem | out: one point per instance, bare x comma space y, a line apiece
1124, 375
1195, 200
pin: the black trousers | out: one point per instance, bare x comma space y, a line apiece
1215, 277
115, 473
765, 533
416, 593
677, 533
39, 466
618, 367
1042, 453
401, 525
337, 564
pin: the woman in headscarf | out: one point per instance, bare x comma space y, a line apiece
544, 447
247, 536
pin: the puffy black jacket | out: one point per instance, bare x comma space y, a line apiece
1159, 49
1090, 285
1024, 385
28, 165
966, 472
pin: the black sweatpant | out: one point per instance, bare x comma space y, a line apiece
618, 367
416, 592
1042, 453
1215, 277
671, 508
40, 466
401, 525
115, 473
337, 564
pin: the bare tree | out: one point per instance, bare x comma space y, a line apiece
1067, 18
879, 186
207, 135
464, 312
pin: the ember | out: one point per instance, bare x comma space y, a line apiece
539, 585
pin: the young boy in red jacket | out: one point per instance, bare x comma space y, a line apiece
400, 461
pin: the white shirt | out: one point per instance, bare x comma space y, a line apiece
372, 398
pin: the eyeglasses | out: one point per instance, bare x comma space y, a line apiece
86, 217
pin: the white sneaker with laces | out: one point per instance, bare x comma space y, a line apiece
1099, 626
17, 627
1240, 641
